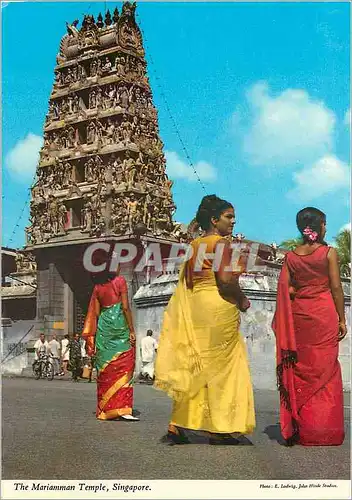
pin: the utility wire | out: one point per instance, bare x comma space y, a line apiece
17, 225
6, 181
162, 93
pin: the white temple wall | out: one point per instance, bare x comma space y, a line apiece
151, 300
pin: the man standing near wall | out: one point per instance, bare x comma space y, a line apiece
54, 351
149, 347
40, 347
75, 350
65, 354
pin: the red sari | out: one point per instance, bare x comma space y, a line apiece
107, 332
308, 370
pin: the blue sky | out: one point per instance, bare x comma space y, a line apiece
259, 92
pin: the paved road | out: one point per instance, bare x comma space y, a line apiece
49, 432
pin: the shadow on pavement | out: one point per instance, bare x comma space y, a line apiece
274, 433
202, 437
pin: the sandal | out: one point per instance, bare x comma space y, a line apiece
175, 435
129, 418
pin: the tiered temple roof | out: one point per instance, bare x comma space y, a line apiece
102, 168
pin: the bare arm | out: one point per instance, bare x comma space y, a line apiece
336, 289
188, 275
291, 286
228, 282
90, 323
128, 315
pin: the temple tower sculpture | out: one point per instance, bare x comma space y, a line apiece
101, 172
102, 167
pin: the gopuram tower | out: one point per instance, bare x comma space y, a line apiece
101, 174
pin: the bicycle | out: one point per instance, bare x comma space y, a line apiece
43, 368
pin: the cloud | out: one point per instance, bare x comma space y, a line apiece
178, 169
21, 161
347, 118
286, 129
346, 226
326, 175
5, 4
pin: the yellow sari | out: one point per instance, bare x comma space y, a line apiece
201, 362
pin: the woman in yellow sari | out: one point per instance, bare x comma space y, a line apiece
201, 362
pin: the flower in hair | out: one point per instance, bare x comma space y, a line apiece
312, 235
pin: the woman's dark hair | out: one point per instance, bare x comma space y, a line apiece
210, 206
103, 277
99, 258
313, 218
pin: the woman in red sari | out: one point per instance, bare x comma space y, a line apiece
110, 336
309, 322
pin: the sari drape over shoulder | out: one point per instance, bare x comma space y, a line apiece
201, 362
309, 374
106, 330
286, 355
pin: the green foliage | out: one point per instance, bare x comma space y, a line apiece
291, 244
343, 248
342, 244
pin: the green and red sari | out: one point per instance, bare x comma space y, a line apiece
106, 329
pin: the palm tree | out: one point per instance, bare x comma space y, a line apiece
343, 248
291, 244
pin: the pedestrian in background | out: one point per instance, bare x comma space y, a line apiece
65, 354
75, 350
40, 347
149, 347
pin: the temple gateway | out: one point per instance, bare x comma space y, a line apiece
101, 174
